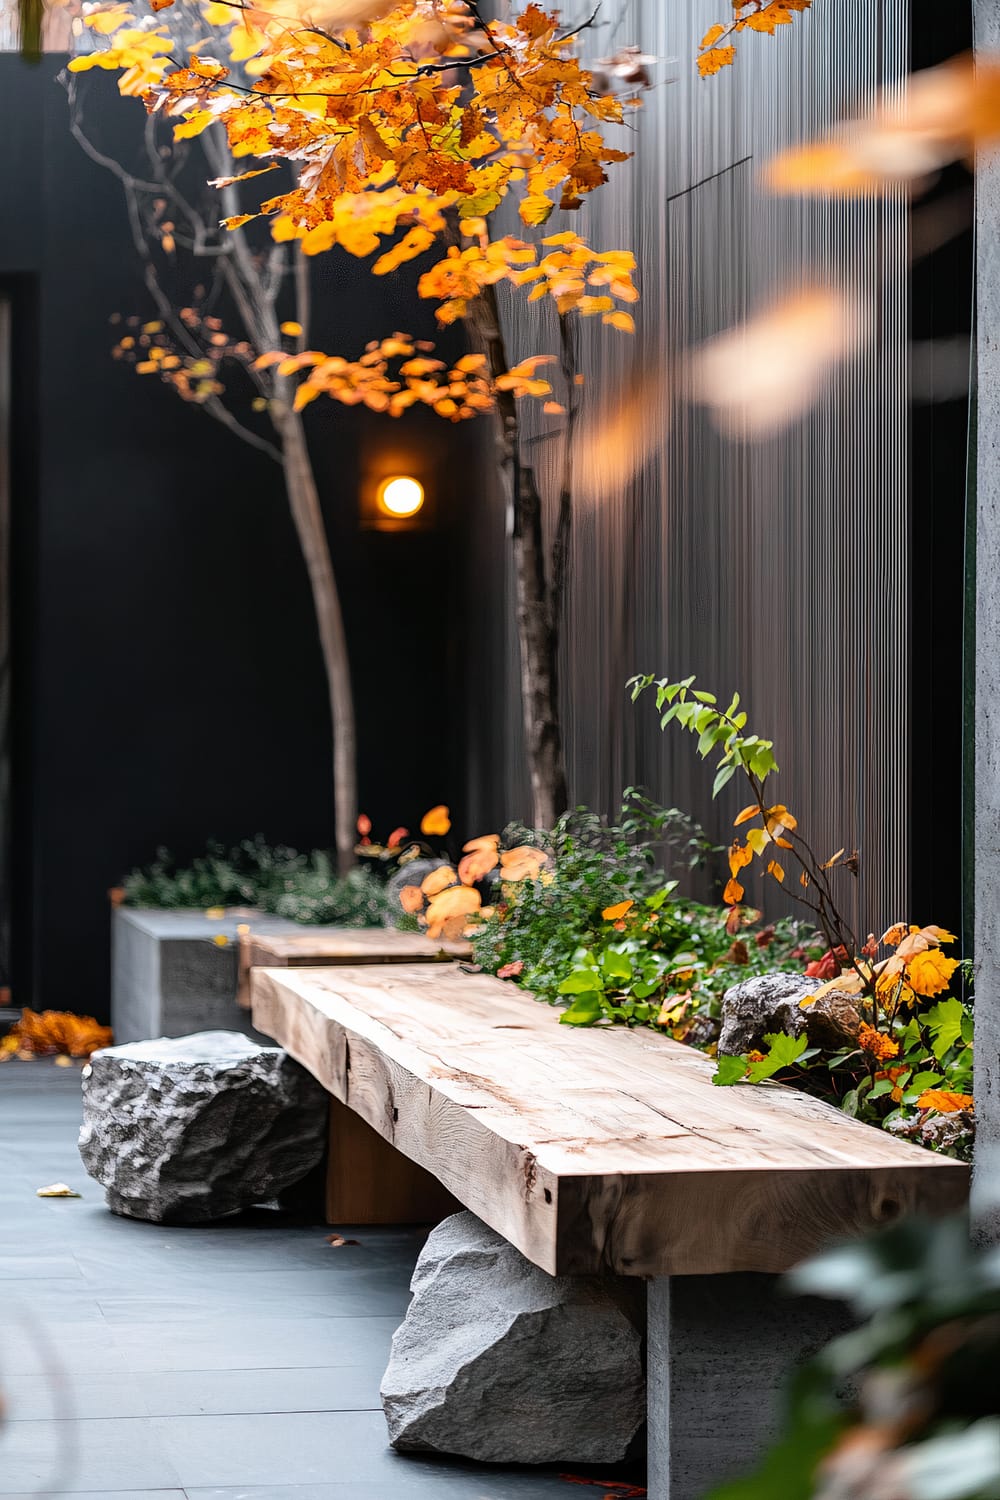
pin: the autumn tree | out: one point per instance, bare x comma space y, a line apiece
407, 124
221, 298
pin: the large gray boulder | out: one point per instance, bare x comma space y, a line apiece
189, 1129
500, 1362
772, 1002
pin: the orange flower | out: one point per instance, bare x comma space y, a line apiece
944, 1101
877, 1043
411, 898
436, 823
930, 972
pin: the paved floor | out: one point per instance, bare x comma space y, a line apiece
232, 1363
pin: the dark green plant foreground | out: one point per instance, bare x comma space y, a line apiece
301, 887
924, 1419
603, 928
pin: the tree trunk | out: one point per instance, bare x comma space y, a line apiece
537, 625
539, 671
303, 500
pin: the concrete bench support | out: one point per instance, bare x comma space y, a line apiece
720, 1349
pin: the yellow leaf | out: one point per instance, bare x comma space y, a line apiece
56, 1189
536, 208
929, 973
758, 840
236, 221
622, 320
292, 329
746, 815
221, 182
245, 41
776, 870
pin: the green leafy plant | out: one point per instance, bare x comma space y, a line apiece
897, 1061
598, 927
923, 1419
276, 879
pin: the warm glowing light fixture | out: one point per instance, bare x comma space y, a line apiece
400, 495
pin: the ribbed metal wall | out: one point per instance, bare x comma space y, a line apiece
777, 567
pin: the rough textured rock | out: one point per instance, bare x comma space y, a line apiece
771, 1002
500, 1362
189, 1129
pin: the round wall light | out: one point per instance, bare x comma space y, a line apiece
400, 496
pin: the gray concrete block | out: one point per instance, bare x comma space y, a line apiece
720, 1349
169, 975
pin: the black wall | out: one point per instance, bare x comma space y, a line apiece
168, 686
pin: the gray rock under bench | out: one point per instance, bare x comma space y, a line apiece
610, 1152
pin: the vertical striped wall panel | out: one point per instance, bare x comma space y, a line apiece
778, 567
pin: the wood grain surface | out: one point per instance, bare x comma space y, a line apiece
338, 945
592, 1149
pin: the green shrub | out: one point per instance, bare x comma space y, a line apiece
275, 879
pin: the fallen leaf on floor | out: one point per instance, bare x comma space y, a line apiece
56, 1190
613, 1489
62, 1061
337, 1240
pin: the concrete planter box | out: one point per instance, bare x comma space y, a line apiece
169, 975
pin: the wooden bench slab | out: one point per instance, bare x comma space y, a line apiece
592, 1150
309, 946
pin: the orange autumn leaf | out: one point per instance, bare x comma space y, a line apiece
733, 893
59, 1032
485, 841
476, 865
522, 863
944, 1101
437, 822
752, 811
616, 912
411, 898
447, 911
438, 880
740, 855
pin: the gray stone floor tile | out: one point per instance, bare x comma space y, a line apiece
251, 1342
231, 1362
104, 1455
196, 1392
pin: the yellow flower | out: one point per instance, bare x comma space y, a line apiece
930, 972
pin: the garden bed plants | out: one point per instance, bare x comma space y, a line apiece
591, 918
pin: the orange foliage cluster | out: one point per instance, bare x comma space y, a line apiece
394, 114
402, 121
447, 903
717, 51
50, 1033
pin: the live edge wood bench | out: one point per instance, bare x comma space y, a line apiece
307, 947
612, 1151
